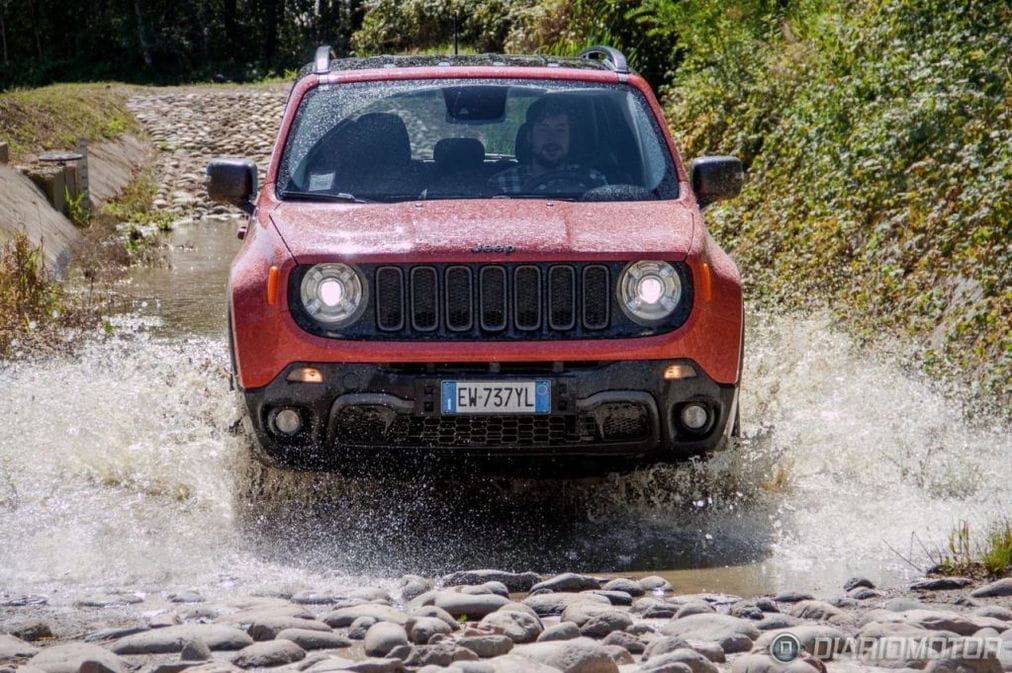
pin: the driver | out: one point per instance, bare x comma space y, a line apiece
548, 136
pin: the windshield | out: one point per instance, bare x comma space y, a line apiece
450, 139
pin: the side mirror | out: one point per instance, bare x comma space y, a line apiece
716, 178
232, 181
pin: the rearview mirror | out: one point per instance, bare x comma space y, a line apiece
716, 178
232, 181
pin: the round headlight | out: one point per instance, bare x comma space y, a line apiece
333, 294
649, 291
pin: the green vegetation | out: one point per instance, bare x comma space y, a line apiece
992, 556
877, 139
32, 303
54, 117
134, 205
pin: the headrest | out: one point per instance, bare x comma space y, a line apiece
457, 154
380, 139
522, 144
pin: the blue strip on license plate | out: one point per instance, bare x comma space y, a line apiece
496, 397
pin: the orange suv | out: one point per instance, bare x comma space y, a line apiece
485, 260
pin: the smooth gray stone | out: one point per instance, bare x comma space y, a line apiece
1002, 587
563, 631
855, 582
268, 628
382, 613
570, 656
114, 633
731, 633
994, 612
314, 640
653, 608
568, 582
695, 661
186, 597
627, 641
425, 627
625, 585
268, 654
654, 583
614, 597
515, 582
12, 647
475, 607
438, 613
195, 650
792, 597
487, 647
551, 604
694, 608
173, 638
519, 627
359, 627
383, 637
940, 583
600, 625
68, 658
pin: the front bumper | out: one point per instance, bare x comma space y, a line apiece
365, 419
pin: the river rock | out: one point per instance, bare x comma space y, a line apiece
268, 654
265, 609
115, 633
412, 586
624, 585
940, 583
695, 662
994, 612
942, 620
654, 608
515, 582
69, 658
1002, 587
562, 631
619, 654
519, 627
12, 647
30, 630
625, 640
792, 597
268, 628
694, 608
423, 628
359, 627
439, 654
438, 613
551, 604
383, 637
731, 633
195, 650
487, 646
601, 624
901, 604
821, 611
309, 639
570, 656
186, 597
763, 663
173, 638
777, 621
654, 583
510, 663
474, 606
855, 582
382, 613
965, 657
568, 582
614, 597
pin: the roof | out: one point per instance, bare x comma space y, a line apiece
462, 60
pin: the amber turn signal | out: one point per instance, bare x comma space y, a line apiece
272, 285
707, 285
673, 372
306, 375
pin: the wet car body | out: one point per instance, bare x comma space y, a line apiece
484, 298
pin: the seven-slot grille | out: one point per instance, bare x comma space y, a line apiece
493, 299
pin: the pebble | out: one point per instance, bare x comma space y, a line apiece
1002, 587
314, 640
514, 582
267, 654
195, 650
487, 646
571, 656
941, 583
624, 585
855, 582
568, 582
519, 627
731, 633
173, 638
473, 606
383, 637
424, 628
654, 583
562, 631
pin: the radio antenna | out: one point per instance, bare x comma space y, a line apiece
456, 14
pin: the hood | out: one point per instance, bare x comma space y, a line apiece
451, 229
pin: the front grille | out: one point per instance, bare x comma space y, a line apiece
613, 422
522, 301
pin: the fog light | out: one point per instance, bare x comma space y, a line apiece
306, 375
695, 416
287, 421
673, 372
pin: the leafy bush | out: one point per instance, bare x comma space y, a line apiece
877, 138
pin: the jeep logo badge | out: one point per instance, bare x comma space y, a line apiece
485, 247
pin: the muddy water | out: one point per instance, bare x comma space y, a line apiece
118, 470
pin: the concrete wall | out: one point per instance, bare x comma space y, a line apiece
111, 166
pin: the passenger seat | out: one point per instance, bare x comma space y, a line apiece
459, 168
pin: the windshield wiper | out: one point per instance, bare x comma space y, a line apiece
342, 197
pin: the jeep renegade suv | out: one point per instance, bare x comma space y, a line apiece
480, 259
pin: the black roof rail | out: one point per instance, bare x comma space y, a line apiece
612, 58
321, 62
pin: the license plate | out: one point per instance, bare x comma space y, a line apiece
496, 397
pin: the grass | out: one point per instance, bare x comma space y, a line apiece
990, 557
54, 117
32, 302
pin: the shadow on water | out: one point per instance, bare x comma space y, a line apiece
670, 517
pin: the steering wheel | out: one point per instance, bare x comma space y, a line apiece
578, 179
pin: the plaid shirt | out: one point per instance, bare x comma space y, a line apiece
512, 180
